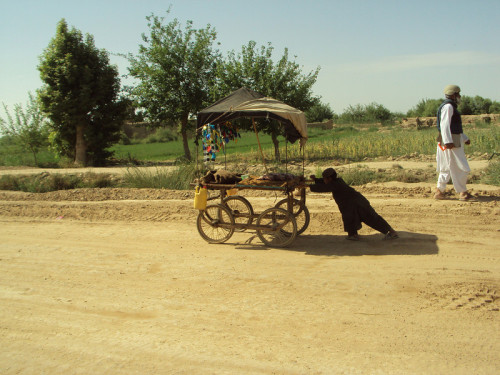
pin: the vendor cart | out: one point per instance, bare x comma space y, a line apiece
276, 226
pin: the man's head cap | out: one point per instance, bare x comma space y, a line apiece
451, 90
329, 172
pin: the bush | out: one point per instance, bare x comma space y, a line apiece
45, 182
425, 108
362, 114
40, 183
319, 112
358, 176
162, 135
178, 179
492, 173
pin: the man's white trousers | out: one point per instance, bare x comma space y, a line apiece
452, 163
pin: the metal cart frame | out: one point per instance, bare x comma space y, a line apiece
276, 226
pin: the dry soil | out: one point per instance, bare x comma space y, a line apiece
118, 281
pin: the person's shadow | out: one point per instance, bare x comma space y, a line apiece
408, 243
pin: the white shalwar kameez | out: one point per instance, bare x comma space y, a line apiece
451, 163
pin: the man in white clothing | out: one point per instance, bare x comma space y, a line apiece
450, 154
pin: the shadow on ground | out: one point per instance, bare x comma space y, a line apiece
408, 243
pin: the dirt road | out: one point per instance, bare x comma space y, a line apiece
475, 165
115, 281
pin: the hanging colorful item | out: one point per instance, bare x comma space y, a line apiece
215, 138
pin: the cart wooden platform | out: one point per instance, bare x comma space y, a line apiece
277, 226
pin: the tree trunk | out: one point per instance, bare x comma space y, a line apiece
81, 146
184, 123
276, 147
34, 155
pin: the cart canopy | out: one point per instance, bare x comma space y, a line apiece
247, 103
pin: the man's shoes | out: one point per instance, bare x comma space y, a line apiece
467, 197
439, 195
354, 237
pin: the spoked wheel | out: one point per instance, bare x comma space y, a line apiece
241, 209
215, 224
300, 212
279, 228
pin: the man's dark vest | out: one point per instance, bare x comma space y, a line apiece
456, 119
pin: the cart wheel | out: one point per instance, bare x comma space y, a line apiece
300, 212
215, 224
279, 227
241, 209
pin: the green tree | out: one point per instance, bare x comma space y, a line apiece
80, 96
425, 108
476, 105
28, 128
469, 105
494, 107
284, 80
378, 113
175, 69
319, 112
366, 114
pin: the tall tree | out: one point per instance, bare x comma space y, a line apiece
284, 80
28, 127
80, 96
175, 69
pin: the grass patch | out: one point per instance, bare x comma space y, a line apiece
13, 155
179, 179
45, 182
358, 176
492, 173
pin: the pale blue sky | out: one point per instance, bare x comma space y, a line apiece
392, 52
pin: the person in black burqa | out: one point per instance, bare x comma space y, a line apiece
353, 206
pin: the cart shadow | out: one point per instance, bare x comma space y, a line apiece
408, 243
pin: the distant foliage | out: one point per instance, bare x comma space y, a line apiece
495, 107
425, 108
28, 128
161, 135
468, 106
319, 113
362, 114
477, 106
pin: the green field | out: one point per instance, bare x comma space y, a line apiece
344, 143
347, 143
341, 144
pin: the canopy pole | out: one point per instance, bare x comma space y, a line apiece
258, 141
225, 160
197, 171
286, 155
303, 160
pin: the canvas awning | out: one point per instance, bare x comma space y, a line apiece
247, 103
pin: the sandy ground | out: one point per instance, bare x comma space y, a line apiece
116, 281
